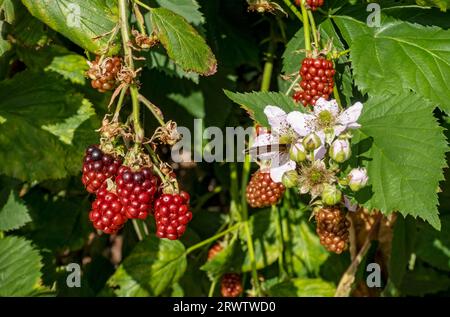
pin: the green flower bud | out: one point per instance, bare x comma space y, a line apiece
297, 153
290, 179
312, 142
340, 151
331, 195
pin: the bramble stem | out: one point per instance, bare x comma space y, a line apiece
293, 85
142, 5
137, 229
314, 29
306, 27
152, 109
139, 132
212, 288
211, 239
293, 9
120, 104
337, 97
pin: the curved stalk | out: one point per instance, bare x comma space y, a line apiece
306, 27
211, 239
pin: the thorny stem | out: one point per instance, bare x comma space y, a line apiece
297, 79
120, 104
137, 229
156, 162
293, 9
212, 288
142, 5
152, 107
211, 239
314, 29
139, 132
306, 27
337, 97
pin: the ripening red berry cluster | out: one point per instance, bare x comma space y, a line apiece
132, 196
317, 80
262, 191
172, 214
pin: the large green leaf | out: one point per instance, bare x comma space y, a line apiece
152, 267
404, 148
70, 66
189, 9
14, 214
85, 22
20, 266
43, 121
307, 252
398, 56
224, 261
424, 280
441, 4
267, 246
299, 287
434, 246
182, 42
255, 102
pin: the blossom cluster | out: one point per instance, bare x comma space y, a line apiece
307, 149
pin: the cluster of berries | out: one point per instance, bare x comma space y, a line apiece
317, 80
133, 195
103, 73
311, 4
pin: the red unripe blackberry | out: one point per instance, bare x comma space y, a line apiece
262, 191
215, 249
97, 168
104, 74
231, 285
172, 214
332, 228
312, 4
107, 212
317, 80
136, 191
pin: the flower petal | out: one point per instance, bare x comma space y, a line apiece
324, 105
276, 116
351, 115
320, 152
300, 122
265, 147
277, 171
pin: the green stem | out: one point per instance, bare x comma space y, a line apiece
2, 234
125, 31
212, 288
343, 53
251, 254
314, 29
211, 239
337, 97
153, 109
280, 239
156, 163
306, 27
139, 19
297, 79
234, 191
120, 104
286, 232
142, 5
139, 132
294, 9
137, 229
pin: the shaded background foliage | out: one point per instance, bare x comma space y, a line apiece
49, 113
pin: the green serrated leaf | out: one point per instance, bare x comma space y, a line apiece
376, 54
441, 4
188, 9
14, 214
151, 268
223, 261
8, 10
182, 42
299, 287
65, 130
434, 247
85, 22
307, 252
28, 102
255, 102
20, 266
71, 67
267, 246
403, 148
